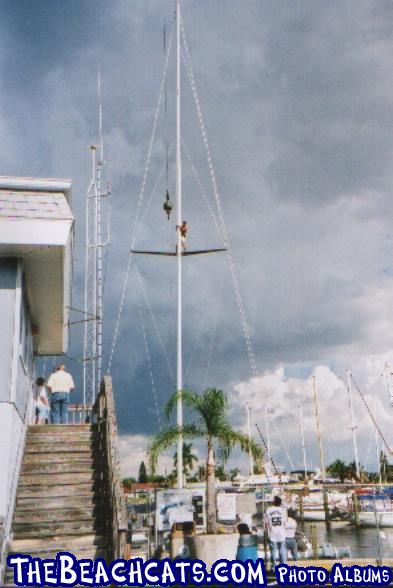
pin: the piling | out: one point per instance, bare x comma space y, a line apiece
355, 504
326, 509
314, 541
301, 509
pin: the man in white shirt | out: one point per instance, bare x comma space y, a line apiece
290, 535
275, 519
60, 384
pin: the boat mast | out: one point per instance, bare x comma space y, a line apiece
267, 427
303, 440
316, 403
353, 426
251, 460
179, 370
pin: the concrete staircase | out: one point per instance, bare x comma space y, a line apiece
60, 503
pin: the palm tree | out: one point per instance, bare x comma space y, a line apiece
211, 410
188, 458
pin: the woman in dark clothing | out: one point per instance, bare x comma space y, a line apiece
247, 546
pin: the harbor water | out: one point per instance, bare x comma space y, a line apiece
363, 543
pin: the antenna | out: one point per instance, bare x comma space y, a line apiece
90, 310
94, 275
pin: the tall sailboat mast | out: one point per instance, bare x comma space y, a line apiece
179, 370
318, 423
180, 251
303, 441
353, 426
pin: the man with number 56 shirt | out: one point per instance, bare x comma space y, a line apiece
275, 519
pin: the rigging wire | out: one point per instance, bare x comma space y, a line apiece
246, 330
371, 416
134, 231
153, 318
283, 445
213, 335
192, 354
202, 189
276, 470
153, 384
166, 121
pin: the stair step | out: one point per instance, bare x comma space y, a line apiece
59, 543
66, 490
50, 529
56, 502
69, 447
57, 457
59, 439
49, 479
71, 467
43, 515
37, 429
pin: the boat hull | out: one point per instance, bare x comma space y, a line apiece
371, 519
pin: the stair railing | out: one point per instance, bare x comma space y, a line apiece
116, 513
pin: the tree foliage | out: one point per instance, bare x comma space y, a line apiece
210, 412
142, 475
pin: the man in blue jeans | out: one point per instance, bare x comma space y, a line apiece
275, 519
60, 384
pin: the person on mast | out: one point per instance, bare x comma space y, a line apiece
183, 228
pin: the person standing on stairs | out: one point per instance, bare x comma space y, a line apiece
60, 384
42, 402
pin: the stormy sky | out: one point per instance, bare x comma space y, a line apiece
297, 101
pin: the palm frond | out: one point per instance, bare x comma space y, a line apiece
189, 398
213, 407
228, 439
167, 438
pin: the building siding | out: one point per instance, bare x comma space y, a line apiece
8, 272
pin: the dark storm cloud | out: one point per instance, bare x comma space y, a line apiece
297, 99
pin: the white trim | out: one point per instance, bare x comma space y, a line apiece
16, 337
39, 184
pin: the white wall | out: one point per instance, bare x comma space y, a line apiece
16, 379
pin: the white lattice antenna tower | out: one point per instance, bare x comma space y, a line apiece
90, 334
94, 270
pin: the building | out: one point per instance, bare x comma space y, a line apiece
36, 236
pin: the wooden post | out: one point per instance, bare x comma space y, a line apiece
326, 509
301, 509
314, 541
355, 502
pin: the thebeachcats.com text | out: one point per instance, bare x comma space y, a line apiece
67, 570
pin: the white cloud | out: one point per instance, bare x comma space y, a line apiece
282, 396
133, 451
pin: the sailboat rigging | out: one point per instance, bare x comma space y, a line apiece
179, 252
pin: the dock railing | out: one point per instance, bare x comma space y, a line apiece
104, 416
